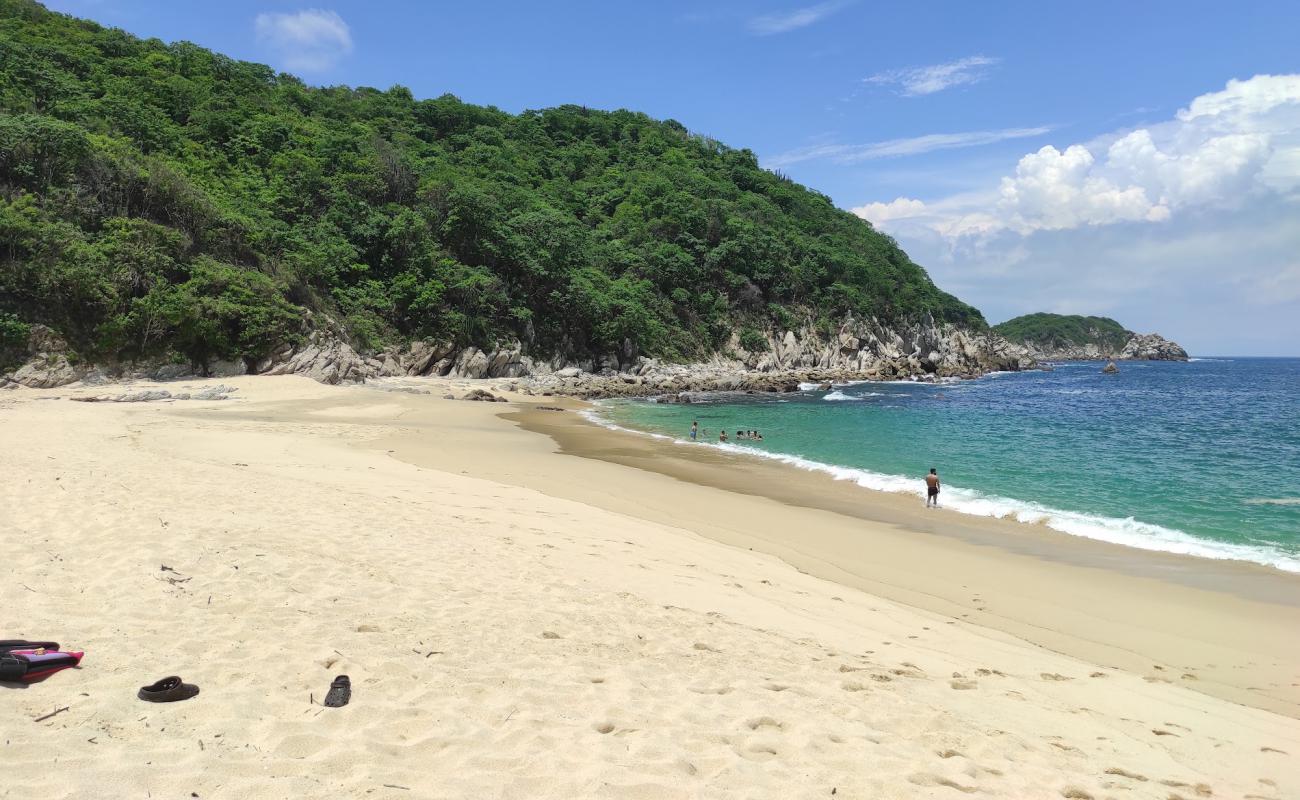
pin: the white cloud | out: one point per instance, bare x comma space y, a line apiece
852, 153
900, 208
917, 81
1224, 149
1188, 226
770, 24
311, 40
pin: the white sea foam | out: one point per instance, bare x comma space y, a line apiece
838, 395
1125, 531
1272, 501
809, 387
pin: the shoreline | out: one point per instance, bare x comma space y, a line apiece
1014, 509
1143, 611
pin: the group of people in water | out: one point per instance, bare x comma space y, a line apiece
696, 433
931, 481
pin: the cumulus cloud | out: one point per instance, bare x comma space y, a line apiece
900, 208
1222, 150
918, 81
770, 24
1188, 226
311, 40
915, 145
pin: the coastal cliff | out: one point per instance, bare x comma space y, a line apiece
775, 361
1060, 337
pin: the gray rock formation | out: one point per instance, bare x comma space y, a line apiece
218, 392
47, 364
483, 396
856, 349
326, 360
1139, 347
1152, 347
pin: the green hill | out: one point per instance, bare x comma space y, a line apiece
1060, 331
163, 199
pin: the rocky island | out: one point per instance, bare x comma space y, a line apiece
1060, 337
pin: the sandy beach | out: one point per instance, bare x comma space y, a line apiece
532, 606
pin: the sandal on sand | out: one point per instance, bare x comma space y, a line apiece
340, 692
168, 690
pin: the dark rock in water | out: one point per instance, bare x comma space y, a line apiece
1110, 368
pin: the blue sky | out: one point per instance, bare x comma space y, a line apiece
1169, 212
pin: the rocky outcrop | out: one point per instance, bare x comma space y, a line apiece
1139, 347
868, 346
218, 392
47, 364
326, 360
484, 396
854, 350
1152, 347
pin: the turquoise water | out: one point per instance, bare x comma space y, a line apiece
1200, 458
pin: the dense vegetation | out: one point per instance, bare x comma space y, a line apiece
1058, 331
164, 199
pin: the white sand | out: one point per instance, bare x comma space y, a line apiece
502, 642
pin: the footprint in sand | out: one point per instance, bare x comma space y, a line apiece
763, 722
1123, 773
1201, 789
853, 686
1075, 793
967, 684
1054, 676
603, 727
927, 779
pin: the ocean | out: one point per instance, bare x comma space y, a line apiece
1200, 458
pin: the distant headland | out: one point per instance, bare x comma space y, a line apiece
1071, 337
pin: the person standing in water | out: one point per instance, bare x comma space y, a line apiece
932, 488
695, 429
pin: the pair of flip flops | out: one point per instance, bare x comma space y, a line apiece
173, 689
168, 690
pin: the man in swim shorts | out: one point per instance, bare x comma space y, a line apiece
932, 488
695, 429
